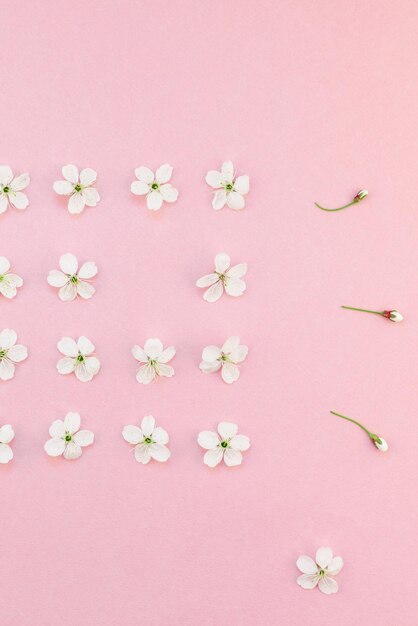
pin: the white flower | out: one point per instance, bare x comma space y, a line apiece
223, 276
10, 353
227, 357
73, 283
226, 445
149, 441
6, 436
11, 189
155, 360
381, 444
8, 282
78, 187
67, 438
320, 571
78, 358
393, 316
231, 191
155, 187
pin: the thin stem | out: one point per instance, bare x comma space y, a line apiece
353, 308
339, 208
344, 417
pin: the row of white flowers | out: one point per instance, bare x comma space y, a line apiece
229, 190
79, 358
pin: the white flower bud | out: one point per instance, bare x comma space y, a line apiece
362, 194
395, 316
382, 446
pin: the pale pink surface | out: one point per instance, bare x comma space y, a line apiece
314, 100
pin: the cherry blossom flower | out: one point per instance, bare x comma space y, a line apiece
226, 444
380, 443
149, 441
363, 193
73, 282
393, 316
223, 277
9, 282
227, 358
230, 190
155, 360
6, 436
10, 353
11, 189
67, 439
78, 358
79, 187
155, 186
319, 572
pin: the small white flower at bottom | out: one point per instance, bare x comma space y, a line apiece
8, 282
320, 571
149, 441
10, 353
73, 282
78, 358
226, 444
6, 436
154, 359
67, 439
227, 358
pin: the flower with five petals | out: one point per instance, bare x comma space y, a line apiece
226, 444
78, 358
67, 439
10, 353
73, 282
319, 572
6, 436
155, 186
79, 187
154, 359
230, 190
223, 277
149, 441
8, 282
227, 358
11, 189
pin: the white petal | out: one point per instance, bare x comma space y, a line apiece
14, 280
6, 433
72, 451
208, 440
8, 338
83, 438
142, 453
242, 185
87, 176
219, 199
214, 179
208, 368
227, 429
7, 290
4, 202
6, 175
335, 566
87, 270
85, 290
72, 422
63, 187
163, 174
307, 581
148, 425
17, 353
91, 196
383, 445
237, 271
169, 193
231, 344
306, 565
139, 354
7, 369
54, 447
68, 292
323, 557
165, 370
222, 262
214, 293
235, 287
207, 280
240, 442
66, 365
57, 429
153, 348
144, 174
232, 457
154, 201
167, 354
6, 453
70, 172
18, 199
67, 346
227, 170
76, 204
139, 188
235, 200
239, 355
159, 452
20, 182
84, 345
211, 354
4, 265
159, 435
328, 585
82, 373
230, 373
69, 263
92, 365
213, 457
57, 278
132, 434
145, 374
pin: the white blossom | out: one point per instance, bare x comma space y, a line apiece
6, 436
9, 282
223, 277
79, 188
230, 189
154, 360
155, 186
225, 358
11, 189
78, 358
10, 353
67, 439
319, 572
149, 441
226, 444
71, 280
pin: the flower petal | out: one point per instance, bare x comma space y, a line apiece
6, 453
139, 354
167, 354
4, 202
57, 278
68, 292
83, 374
83, 438
235, 286
231, 344
85, 290
139, 188
235, 200
6, 175
237, 271
7, 369
147, 425
307, 581
20, 182
7, 290
242, 184
66, 365
164, 173
159, 435
6, 433
70, 172
154, 201
87, 270
132, 434
14, 280
328, 585
18, 199
222, 262
227, 170
230, 373
63, 187
144, 174
211, 354
208, 368
207, 280
145, 374
57, 429
323, 557
335, 566
208, 440
72, 422
72, 451
159, 452
227, 429
240, 442
67, 346
142, 453
92, 365
214, 179
54, 447
219, 199
76, 204
7, 338
91, 196
4, 265
169, 193
84, 345
17, 353
232, 457
87, 176
165, 370
153, 348
306, 565
69, 263
214, 293
239, 354
213, 457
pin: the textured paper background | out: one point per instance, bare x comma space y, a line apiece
314, 100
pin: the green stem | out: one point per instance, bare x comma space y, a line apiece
339, 208
344, 417
353, 308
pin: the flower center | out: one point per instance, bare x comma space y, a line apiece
224, 444
77, 187
321, 573
80, 358
6, 189
155, 186
229, 187
68, 437
3, 354
74, 279
1, 277
148, 440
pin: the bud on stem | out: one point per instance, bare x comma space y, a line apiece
393, 316
363, 193
378, 441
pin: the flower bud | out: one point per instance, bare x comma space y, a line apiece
362, 194
381, 444
393, 316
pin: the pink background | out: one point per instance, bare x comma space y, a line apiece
314, 100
